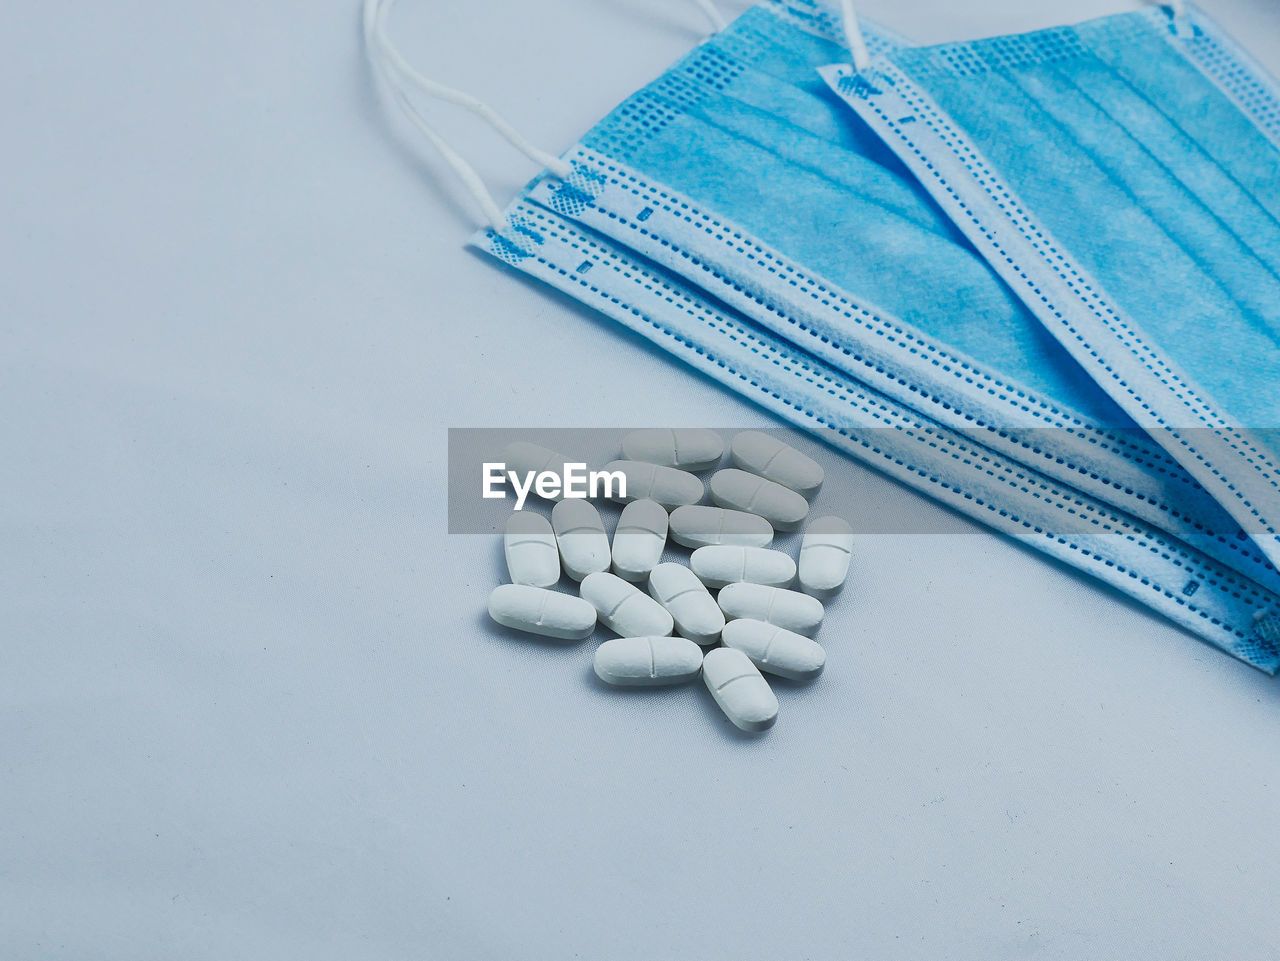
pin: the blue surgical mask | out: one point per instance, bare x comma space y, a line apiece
1049, 512
785, 216
1134, 557
1166, 572
1123, 176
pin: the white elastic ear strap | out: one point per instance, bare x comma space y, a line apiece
399, 74
717, 20
853, 36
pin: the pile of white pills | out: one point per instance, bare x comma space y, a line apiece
755, 623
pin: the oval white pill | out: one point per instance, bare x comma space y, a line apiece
539, 611
639, 539
721, 564
687, 448
647, 661
790, 609
774, 649
739, 688
580, 536
530, 547
666, 485
700, 526
525, 458
694, 610
782, 507
624, 608
772, 459
824, 556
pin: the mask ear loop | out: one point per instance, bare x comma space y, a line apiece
853, 36
397, 72
713, 14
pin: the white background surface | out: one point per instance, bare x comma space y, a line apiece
251, 704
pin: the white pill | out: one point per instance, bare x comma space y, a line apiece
722, 564
694, 610
624, 608
782, 507
774, 649
687, 448
790, 609
739, 688
647, 661
525, 458
770, 458
539, 611
584, 546
666, 485
639, 539
530, 547
824, 556
695, 526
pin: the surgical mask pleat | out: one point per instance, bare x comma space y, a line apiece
1206, 115
1159, 134
1183, 238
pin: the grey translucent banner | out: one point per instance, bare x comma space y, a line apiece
1130, 473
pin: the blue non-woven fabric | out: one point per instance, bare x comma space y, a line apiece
1123, 176
735, 169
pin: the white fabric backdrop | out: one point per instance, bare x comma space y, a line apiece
251, 703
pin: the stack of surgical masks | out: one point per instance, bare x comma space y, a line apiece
1036, 278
